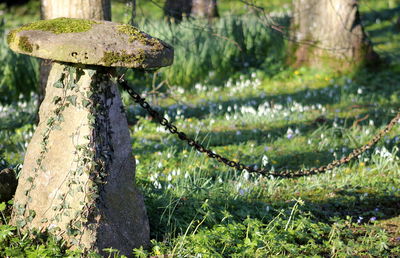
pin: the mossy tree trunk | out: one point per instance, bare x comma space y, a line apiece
83, 9
329, 32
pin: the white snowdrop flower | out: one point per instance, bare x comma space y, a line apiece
289, 133
169, 177
173, 173
297, 131
359, 91
239, 185
335, 124
246, 175
253, 75
309, 141
186, 175
220, 180
371, 122
265, 160
229, 109
170, 186
322, 136
169, 155
384, 153
137, 161
157, 185
267, 209
159, 165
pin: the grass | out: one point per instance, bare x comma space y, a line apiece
265, 115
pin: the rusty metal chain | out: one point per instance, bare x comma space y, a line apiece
240, 166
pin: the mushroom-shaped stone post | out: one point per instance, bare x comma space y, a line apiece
78, 177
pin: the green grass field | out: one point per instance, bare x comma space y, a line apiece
263, 114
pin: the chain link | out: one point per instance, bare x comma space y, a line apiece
238, 165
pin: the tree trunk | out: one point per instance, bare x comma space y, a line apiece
83, 9
175, 10
204, 8
329, 32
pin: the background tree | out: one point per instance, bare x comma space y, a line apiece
83, 9
204, 8
329, 32
177, 9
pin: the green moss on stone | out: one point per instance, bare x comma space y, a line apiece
60, 25
111, 58
136, 35
11, 37
133, 33
25, 45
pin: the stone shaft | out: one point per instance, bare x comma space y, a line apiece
78, 178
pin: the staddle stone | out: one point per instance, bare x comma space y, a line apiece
91, 42
78, 178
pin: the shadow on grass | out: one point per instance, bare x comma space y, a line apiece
360, 203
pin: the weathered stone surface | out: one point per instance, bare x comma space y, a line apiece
91, 42
8, 184
78, 174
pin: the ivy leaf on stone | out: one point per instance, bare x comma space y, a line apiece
72, 99
58, 84
85, 103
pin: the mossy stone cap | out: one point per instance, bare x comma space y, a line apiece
91, 42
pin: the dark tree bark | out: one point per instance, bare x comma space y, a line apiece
177, 9
83, 9
329, 32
